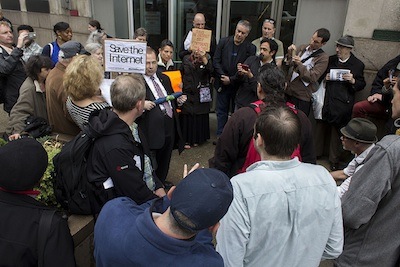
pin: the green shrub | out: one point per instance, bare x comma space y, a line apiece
46, 183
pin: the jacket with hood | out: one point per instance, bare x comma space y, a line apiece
116, 161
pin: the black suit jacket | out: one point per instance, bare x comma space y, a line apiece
152, 121
222, 60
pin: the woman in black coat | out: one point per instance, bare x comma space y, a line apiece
196, 73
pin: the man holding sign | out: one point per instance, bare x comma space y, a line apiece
199, 22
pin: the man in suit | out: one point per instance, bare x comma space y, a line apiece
159, 122
230, 51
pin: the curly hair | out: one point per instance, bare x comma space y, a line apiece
82, 78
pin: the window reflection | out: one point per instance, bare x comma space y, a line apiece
153, 16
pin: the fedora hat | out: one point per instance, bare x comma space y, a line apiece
346, 41
361, 130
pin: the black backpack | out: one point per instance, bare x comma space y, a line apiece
71, 186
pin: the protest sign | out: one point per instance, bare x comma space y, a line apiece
201, 40
125, 56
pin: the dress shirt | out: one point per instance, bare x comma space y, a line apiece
351, 168
284, 213
153, 90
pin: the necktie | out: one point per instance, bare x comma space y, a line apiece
160, 94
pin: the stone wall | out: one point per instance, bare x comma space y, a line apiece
43, 24
363, 17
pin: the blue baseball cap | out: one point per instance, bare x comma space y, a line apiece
203, 197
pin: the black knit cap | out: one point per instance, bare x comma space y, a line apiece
23, 163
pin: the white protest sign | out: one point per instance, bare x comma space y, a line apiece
125, 56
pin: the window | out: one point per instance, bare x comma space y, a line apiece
41, 6
10, 5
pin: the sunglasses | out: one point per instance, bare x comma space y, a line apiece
270, 21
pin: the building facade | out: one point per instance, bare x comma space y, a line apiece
171, 19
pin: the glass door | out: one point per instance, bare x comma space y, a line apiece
253, 11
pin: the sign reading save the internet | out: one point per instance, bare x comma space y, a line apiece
125, 56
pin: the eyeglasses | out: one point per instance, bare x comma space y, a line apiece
270, 21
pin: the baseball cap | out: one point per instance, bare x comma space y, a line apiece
70, 49
24, 162
203, 197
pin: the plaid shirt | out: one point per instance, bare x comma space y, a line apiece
33, 49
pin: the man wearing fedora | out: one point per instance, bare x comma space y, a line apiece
358, 136
343, 77
371, 205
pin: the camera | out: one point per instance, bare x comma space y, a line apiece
32, 35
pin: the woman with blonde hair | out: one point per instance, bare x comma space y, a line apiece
82, 80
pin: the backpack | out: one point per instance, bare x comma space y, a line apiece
71, 187
252, 155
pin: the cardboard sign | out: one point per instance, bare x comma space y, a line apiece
125, 56
201, 40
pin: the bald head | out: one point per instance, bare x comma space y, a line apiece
199, 21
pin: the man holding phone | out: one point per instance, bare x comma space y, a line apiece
31, 47
247, 72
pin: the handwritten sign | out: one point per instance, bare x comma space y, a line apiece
125, 56
201, 40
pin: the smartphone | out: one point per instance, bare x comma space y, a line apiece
391, 73
245, 67
32, 35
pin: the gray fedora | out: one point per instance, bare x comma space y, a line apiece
346, 41
361, 130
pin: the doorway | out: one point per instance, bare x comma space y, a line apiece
253, 11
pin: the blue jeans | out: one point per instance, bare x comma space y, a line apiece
225, 100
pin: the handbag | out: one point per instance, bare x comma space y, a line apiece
37, 127
205, 93
318, 98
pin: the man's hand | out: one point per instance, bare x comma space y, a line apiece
181, 100
149, 105
375, 97
185, 171
160, 192
22, 39
328, 77
349, 77
297, 60
14, 136
225, 80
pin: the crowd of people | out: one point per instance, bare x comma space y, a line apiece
263, 199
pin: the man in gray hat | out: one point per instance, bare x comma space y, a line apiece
343, 77
358, 136
371, 205
56, 97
